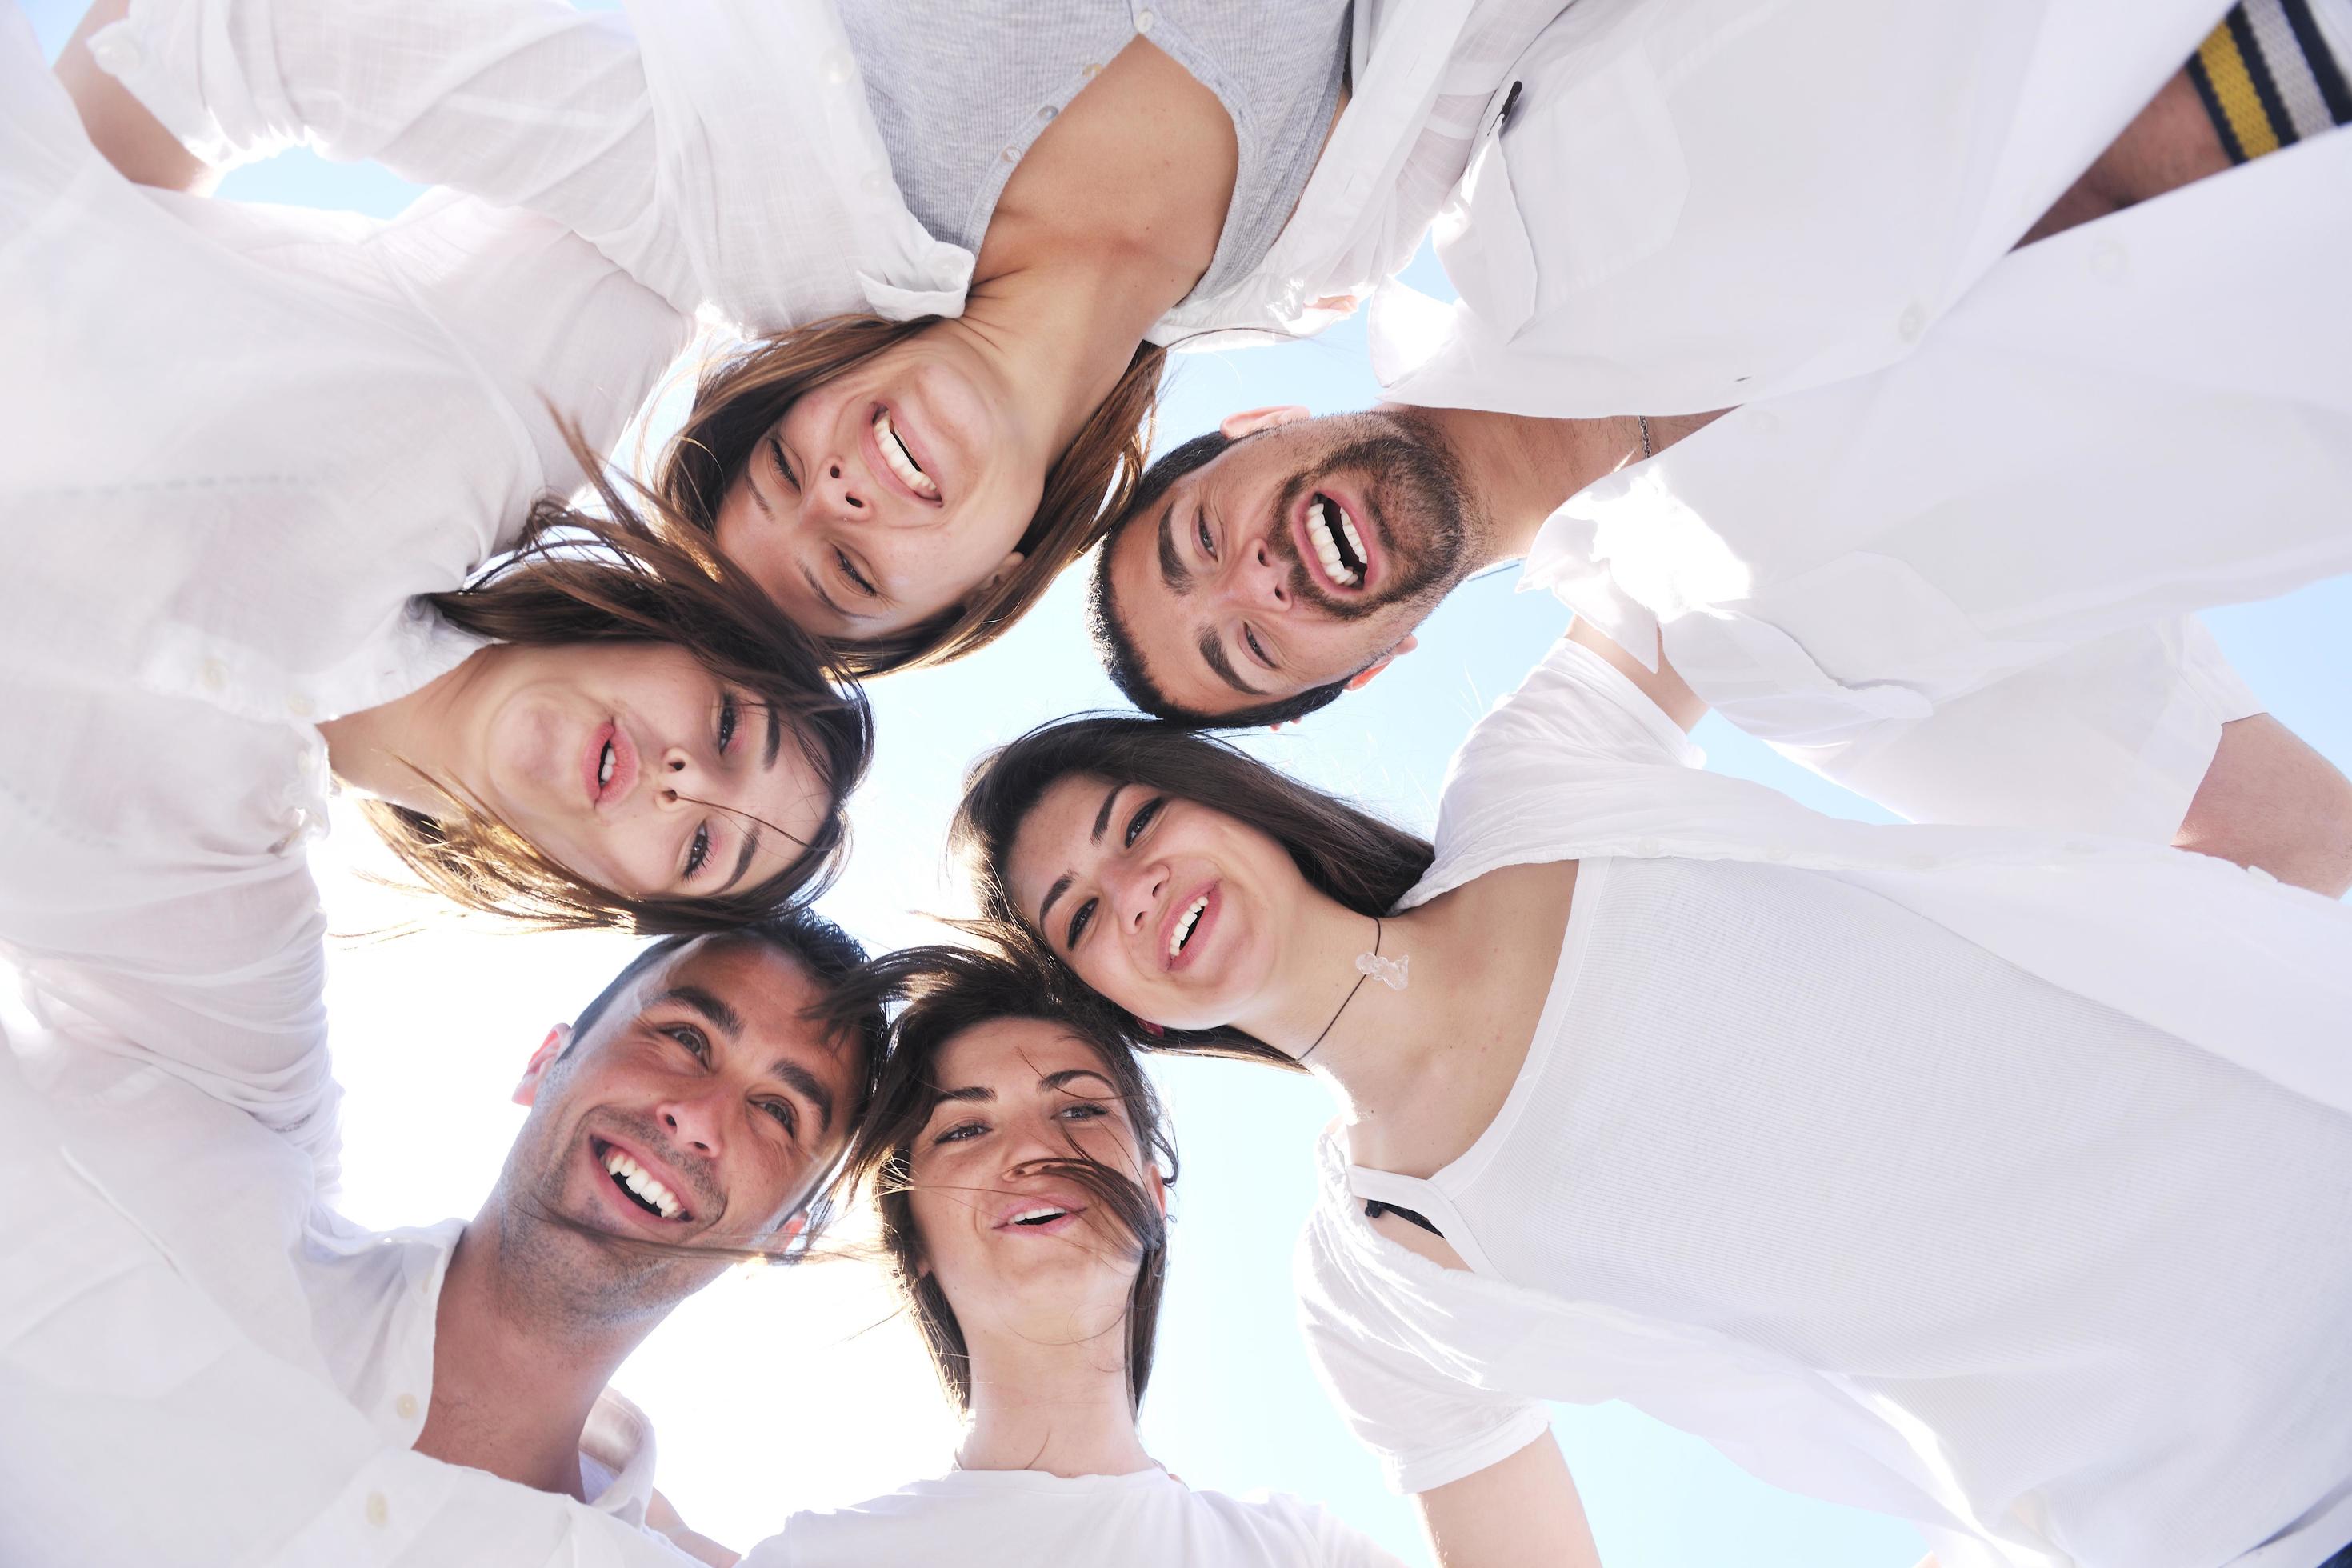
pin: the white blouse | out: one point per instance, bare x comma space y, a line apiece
2223, 985
658, 139
239, 442
1015, 1519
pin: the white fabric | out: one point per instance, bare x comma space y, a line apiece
670, 161
1017, 1519
2119, 426
168, 1391
1436, 1368
2103, 1268
1711, 202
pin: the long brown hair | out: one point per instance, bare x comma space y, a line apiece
1345, 853
741, 397
580, 578
949, 990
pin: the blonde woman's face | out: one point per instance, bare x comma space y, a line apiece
632, 766
891, 493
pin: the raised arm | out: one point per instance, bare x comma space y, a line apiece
119, 125
1523, 1510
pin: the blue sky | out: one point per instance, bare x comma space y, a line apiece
792, 1389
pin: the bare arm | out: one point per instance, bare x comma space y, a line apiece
117, 124
1522, 1511
2269, 800
1664, 687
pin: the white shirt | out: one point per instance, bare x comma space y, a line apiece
657, 139
1026, 1518
1708, 204
2116, 428
1950, 465
1436, 1367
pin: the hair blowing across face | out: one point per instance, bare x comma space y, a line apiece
1350, 856
949, 990
579, 578
741, 397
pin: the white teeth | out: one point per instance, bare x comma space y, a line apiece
1184, 931
638, 1181
901, 462
1355, 540
604, 768
1318, 533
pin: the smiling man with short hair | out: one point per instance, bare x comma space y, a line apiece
702, 1101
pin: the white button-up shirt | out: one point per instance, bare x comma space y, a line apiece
1709, 203
657, 138
1436, 1369
2111, 428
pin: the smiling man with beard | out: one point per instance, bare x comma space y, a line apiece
702, 1100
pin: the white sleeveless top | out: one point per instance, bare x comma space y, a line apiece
1799, 1163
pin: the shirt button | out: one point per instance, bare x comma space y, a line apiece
215, 675
836, 67
378, 1510
1911, 323
300, 706
1047, 113
2108, 260
405, 1407
1143, 20
1013, 154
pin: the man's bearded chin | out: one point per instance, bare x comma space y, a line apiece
1417, 502
569, 1272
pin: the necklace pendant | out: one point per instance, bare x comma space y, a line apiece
1389, 972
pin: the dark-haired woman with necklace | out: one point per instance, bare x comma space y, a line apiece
1987, 1178
1021, 1163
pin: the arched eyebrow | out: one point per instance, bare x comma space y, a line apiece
811, 1087
1062, 883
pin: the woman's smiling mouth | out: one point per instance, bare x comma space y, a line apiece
897, 459
1190, 922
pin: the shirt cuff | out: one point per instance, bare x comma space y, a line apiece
1428, 1471
158, 53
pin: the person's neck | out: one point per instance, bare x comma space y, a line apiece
1053, 1401
395, 750
1520, 470
1344, 1025
512, 1391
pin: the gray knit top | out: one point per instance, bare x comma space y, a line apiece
963, 88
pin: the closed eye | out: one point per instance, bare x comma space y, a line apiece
961, 1132
783, 468
1257, 648
1080, 917
1201, 530
856, 578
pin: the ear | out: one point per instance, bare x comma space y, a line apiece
1363, 678
1250, 421
1004, 569
1156, 1183
541, 1060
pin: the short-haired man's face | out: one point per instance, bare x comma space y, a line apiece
1301, 554
699, 1108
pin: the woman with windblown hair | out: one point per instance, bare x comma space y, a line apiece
1993, 1179
1021, 1163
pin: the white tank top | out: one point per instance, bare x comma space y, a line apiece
2091, 1259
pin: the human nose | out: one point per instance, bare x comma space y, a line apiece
682, 779
843, 492
1260, 580
692, 1121
1137, 894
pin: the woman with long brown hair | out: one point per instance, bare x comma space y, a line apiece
961, 237
1926, 1169
1021, 1162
